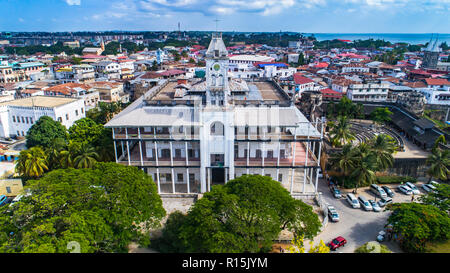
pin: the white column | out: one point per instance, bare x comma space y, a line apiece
157, 178
128, 154
115, 151
126, 132
157, 166
306, 162
226, 175
187, 166
139, 132
173, 180
209, 179
248, 155
140, 150
318, 158
293, 162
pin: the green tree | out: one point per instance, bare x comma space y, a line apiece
86, 157
32, 162
103, 209
44, 132
383, 147
439, 198
439, 162
365, 165
244, 215
85, 130
343, 161
340, 133
416, 224
381, 115
367, 248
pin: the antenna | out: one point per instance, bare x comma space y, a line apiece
217, 22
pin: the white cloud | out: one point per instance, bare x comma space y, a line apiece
73, 2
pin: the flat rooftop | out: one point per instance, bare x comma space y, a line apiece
39, 101
258, 92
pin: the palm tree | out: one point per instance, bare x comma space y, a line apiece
54, 153
32, 162
383, 147
67, 156
340, 133
439, 162
86, 157
344, 160
365, 166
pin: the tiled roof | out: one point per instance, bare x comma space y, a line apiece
299, 79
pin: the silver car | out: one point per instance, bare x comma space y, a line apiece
364, 203
375, 206
413, 187
333, 214
406, 190
384, 201
428, 188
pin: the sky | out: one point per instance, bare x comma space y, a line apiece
307, 16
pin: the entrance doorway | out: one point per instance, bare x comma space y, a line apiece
217, 176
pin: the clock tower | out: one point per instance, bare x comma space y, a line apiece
217, 71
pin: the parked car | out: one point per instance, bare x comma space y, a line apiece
333, 214
413, 187
337, 243
434, 183
375, 206
388, 191
405, 189
384, 201
377, 190
351, 199
336, 192
428, 187
3, 200
364, 203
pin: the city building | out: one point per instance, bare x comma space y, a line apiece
17, 116
373, 91
190, 134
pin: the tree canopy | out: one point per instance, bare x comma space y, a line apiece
244, 215
416, 224
103, 209
44, 132
439, 198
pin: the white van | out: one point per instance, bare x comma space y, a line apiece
378, 191
351, 199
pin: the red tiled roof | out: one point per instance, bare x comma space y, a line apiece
430, 81
300, 79
330, 93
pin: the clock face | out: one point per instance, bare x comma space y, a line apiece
216, 66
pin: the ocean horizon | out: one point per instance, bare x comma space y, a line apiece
410, 38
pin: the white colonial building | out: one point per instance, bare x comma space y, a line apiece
375, 91
192, 134
17, 116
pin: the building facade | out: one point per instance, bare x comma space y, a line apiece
192, 134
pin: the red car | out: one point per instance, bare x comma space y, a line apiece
337, 243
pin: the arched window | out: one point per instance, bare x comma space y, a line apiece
217, 129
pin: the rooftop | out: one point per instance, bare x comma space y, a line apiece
39, 101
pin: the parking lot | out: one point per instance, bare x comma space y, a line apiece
358, 226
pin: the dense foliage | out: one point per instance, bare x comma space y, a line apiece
103, 209
244, 215
416, 224
44, 132
439, 198
394, 179
356, 166
367, 248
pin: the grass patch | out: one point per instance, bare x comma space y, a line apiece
441, 247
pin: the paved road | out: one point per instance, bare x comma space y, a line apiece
356, 225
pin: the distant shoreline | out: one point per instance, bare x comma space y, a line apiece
411, 38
